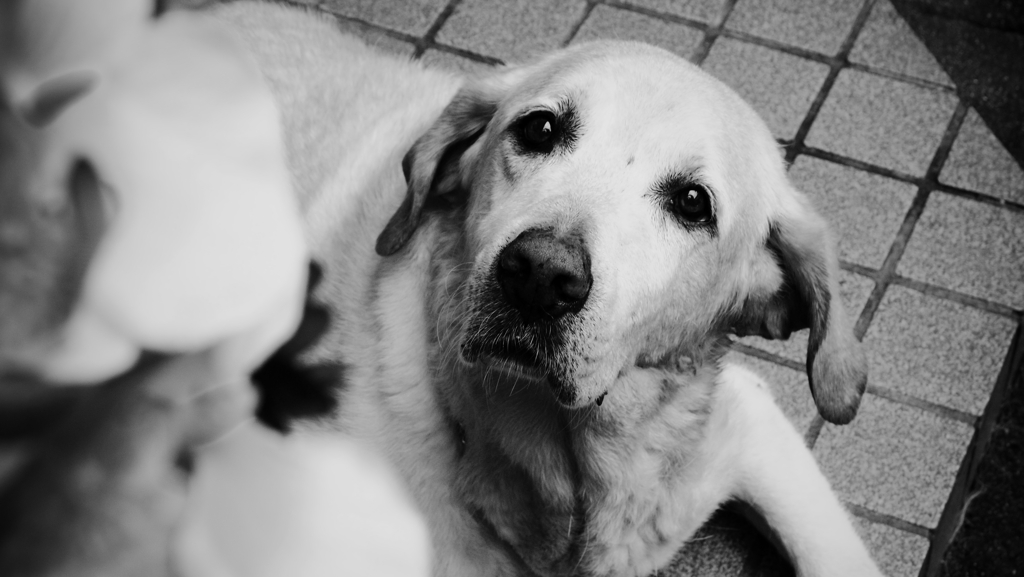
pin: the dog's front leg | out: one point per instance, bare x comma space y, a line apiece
777, 475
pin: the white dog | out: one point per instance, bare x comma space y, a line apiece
535, 338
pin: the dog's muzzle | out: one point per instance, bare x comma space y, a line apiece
544, 276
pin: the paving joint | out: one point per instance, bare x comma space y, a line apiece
428, 39
899, 245
835, 67
921, 404
873, 516
579, 24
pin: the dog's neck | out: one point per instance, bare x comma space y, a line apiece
532, 471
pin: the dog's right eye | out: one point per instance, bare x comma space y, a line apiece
538, 131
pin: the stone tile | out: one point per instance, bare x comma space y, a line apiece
979, 162
790, 388
937, 350
455, 63
780, 87
709, 11
512, 30
818, 25
853, 289
377, 39
888, 43
970, 247
613, 23
864, 209
883, 121
894, 459
897, 553
410, 16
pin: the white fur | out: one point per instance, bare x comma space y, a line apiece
676, 435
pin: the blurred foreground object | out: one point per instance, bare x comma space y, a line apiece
145, 206
202, 245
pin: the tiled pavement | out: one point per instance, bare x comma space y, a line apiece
928, 206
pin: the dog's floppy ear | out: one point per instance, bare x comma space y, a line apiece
808, 296
431, 166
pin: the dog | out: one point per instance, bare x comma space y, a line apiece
562, 251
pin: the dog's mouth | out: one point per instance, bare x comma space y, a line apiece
522, 363
513, 358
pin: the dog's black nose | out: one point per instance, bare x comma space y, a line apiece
544, 277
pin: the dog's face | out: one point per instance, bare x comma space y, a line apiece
624, 210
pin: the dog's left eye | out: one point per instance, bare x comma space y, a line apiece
692, 203
538, 131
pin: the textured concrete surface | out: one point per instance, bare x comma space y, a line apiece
707, 11
410, 16
454, 62
817, 25
376, 38
888, 44
935, 345
937, 350
898, 553
606, 22
979, 162
970, 247
867, 461
779, 86
511, 30
865, 210
882, 121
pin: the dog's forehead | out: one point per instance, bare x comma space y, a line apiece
643, 99
628, 77
646, 115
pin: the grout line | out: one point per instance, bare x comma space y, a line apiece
927, 406
957, 297
579, 24
858, 269
435, 27
929, 84
835, 67
755, 352
366, 24
834, 158
884, 519
711, 34
841, 160
814, 431
942, 153
810, 436
1010, 205
899, 245
490, 60
665, 16
781, 47
315, 6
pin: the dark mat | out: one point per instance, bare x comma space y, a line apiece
981, 533
980, 45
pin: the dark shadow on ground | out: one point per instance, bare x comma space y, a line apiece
980, 44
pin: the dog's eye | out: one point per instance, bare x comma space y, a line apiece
692, 203
538, 131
